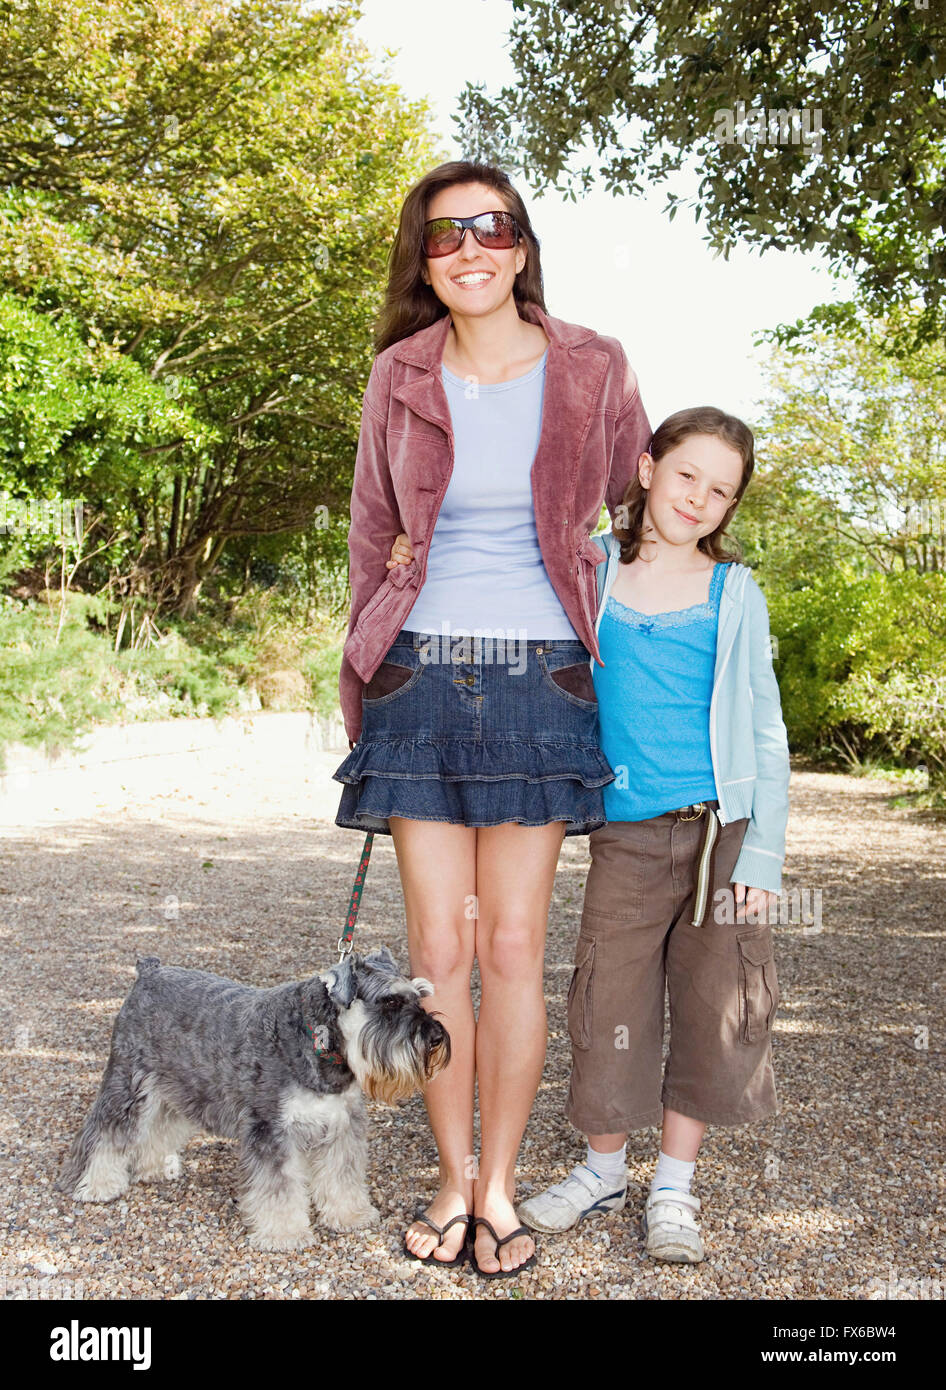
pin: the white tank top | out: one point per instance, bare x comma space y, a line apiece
485, 570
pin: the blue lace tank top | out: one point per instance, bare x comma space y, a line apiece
654, 694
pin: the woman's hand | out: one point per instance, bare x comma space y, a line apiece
753, 903
401, 552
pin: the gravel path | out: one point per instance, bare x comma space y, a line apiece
239, 869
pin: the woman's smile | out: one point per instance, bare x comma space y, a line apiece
472, 279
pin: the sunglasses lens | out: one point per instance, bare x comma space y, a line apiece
441, 236
496, 229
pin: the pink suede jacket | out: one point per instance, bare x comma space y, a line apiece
594, 428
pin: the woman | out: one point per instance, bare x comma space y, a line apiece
491, 434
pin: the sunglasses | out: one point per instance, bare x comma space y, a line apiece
497, 231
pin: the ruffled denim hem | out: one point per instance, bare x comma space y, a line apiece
467, 782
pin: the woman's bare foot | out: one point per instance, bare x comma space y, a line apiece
499, 1211
422, 1241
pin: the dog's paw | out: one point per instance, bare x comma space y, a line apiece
293, 1238
352, 1219
103, 1178
100, 1190
162, 1170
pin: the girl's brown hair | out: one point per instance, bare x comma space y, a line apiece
701, 419
409, 303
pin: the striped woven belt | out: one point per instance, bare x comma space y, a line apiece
704, 873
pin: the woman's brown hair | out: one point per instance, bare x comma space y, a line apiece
409, 303
701, 419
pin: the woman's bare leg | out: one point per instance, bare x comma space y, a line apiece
437, 864
515, 872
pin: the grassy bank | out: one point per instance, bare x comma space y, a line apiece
67, 667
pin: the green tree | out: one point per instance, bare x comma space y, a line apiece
846, 522
649, 88
210, 189
853, 444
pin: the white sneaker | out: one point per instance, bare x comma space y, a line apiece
670, 1227
581, 1194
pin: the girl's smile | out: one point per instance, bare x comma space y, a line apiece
690, 490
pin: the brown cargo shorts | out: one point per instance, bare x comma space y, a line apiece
635, 943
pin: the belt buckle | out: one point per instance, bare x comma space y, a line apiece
697, 808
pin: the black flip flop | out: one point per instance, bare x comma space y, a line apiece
499, 1273
440, 1232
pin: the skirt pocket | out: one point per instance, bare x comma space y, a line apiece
399, 672
568, 677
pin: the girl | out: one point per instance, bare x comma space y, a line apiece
684, 871
491, 433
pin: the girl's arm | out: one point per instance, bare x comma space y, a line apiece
375, 521
763, 848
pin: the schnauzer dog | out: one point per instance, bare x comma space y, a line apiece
282, 1070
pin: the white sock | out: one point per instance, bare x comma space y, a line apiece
609, 1167
672, 1172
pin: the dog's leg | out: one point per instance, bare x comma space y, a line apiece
338, 1171
274, 1200
99, 1163
158, 1158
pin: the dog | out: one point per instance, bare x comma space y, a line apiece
283, 1070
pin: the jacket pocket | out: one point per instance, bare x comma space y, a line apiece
590, 556
371, 607
758, 985
579, 1005
395, 580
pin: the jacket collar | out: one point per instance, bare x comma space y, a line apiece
425, 348
580, 375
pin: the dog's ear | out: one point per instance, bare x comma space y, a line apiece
340, 983
383, 960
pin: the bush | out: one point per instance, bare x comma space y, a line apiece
860, 665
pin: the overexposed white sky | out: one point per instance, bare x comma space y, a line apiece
617, 264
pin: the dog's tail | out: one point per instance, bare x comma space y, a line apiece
145, 964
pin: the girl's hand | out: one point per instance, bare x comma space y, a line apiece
753, 903
401, 552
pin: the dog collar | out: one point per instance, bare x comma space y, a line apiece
321, 1052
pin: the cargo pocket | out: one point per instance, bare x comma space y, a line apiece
579, 993
758, 985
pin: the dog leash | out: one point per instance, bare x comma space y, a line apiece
345, 942
354, 902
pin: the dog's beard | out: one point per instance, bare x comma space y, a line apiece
396, 1081
391, 1066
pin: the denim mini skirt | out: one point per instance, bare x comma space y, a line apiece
477, 731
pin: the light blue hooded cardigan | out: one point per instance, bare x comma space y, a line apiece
748, 742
